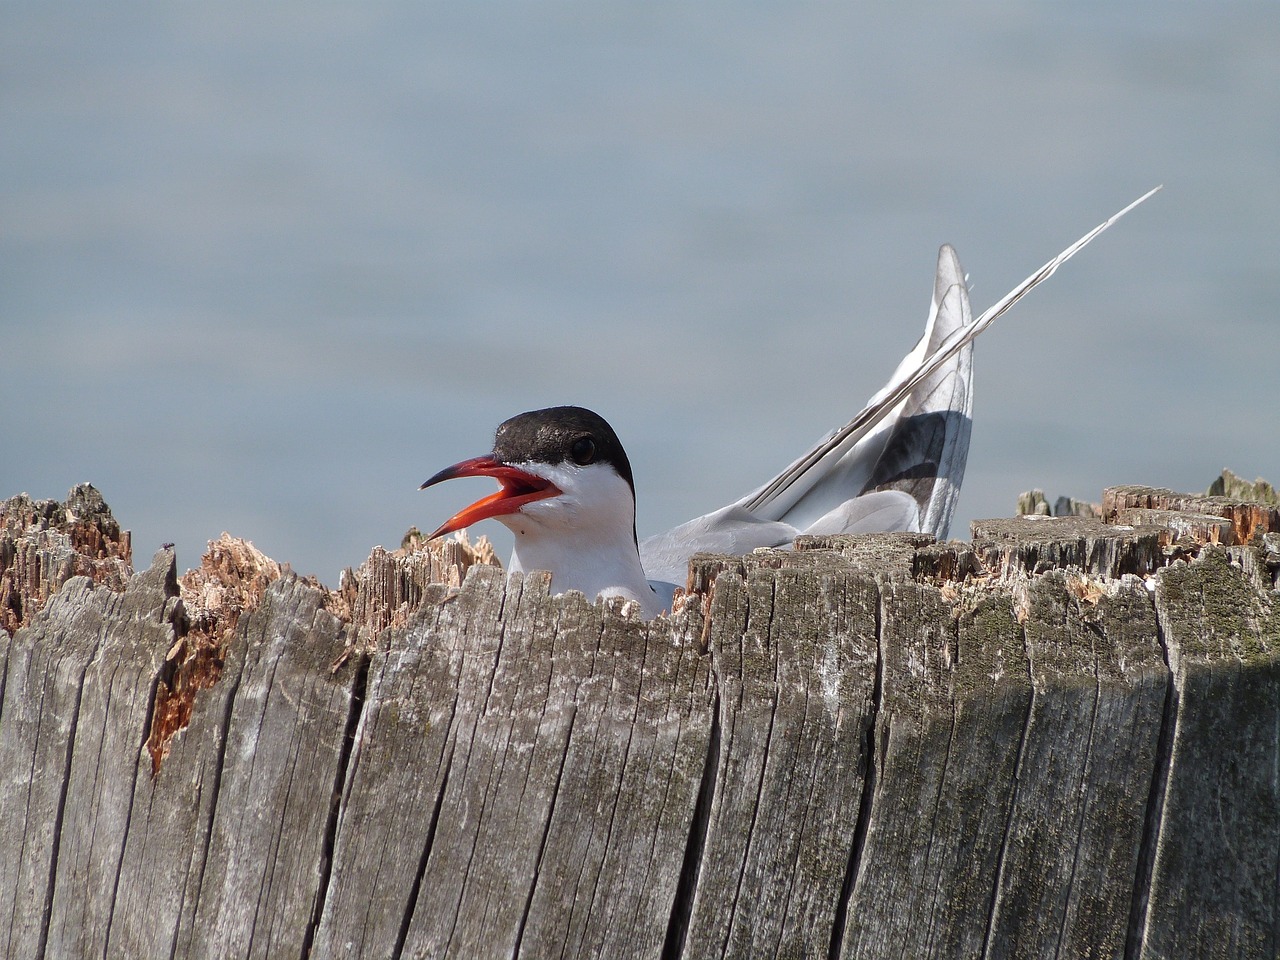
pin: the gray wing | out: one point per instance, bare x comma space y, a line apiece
897, 465
732, 530
834, 498
916, 445
928, 442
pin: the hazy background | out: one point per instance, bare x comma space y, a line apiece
264, 268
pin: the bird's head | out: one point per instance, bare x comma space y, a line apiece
563, 472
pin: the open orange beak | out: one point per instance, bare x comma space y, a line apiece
518, 488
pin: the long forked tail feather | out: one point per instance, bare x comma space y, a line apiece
789, 486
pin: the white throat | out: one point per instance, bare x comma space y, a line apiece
585, 538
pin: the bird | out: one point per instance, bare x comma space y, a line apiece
567, 490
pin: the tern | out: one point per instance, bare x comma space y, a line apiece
568, 494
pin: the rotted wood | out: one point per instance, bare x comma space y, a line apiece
44, 543
1237, 488
1035, 545
1035, 503
1059, 739
1246, 519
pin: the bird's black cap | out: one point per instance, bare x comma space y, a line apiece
562, 435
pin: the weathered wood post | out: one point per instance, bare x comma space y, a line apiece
1061, 739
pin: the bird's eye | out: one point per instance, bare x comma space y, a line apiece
583, 451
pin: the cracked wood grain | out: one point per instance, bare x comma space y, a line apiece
794, 655
44, 682
509, 739
399, 767
867, 747
611, 860
1083, 779
956, 698
116, 694
264, 867
1215, 887
577, 746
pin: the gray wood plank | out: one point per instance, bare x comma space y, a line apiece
588, 876
45, 671
167, 843
611, 860
794, 653
1217, 864
137, 629
400, 764
1133, 688
510, 734
1075, 829
568, 717
259, 889
956, 695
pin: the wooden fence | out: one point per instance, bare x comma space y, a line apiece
1059, 740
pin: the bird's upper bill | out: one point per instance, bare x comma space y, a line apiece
518, 488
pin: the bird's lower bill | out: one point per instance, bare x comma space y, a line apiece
518, 488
